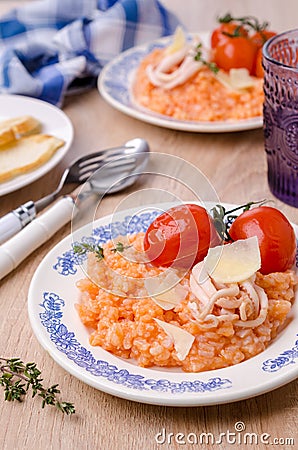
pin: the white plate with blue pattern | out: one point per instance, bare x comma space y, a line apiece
56, 324
115, 81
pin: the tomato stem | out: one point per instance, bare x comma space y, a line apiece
236, 32
247, 206
223, 219
250, 21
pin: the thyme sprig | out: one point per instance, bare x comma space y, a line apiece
17, 378
120, 247
223, 219
83, 248
249, 21
199, 57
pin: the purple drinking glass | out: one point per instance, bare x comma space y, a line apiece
280, 62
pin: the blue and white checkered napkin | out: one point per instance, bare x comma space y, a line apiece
50, 47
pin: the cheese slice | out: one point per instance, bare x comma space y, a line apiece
171, 298
11, 129
6, 136
165, 290
178, 42
236, 262
27, 153
236, 79
182, 339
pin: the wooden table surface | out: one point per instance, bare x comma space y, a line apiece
236, 166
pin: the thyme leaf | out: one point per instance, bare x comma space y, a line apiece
199, 57
17, 378
83, 248
120, 247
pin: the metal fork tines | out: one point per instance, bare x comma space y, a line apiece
85, 166
85, 170
81, 169
118, 159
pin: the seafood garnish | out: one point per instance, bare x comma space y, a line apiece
245, 303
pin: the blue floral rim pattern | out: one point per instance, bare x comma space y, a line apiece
284, 359
66, 342
66, 264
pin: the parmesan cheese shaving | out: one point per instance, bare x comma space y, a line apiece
182, 339
178, 42
236, 262
166, 291
236, 79
168, 300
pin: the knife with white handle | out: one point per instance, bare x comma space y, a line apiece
13, 222
14, 251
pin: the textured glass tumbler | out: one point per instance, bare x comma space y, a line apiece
280, 62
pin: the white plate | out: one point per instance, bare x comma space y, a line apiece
54, 122
55, 322
114, 84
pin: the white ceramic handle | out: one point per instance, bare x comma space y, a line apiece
9, 225
15, 220
14, 251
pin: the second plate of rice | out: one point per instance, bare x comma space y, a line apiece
117, 85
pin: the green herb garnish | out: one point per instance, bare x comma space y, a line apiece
83, 248
223, 219
120, 247
18, 377
249, 21
198, 57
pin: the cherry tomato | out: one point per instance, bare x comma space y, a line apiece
275, 234
180, 237
258, 69
235, 52
260, 37
218, 35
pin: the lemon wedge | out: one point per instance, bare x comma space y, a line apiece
236, 262
178, 42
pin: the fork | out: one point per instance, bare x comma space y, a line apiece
77, 173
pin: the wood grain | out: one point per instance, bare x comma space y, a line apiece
236, 166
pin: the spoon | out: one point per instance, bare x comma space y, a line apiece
114, 176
